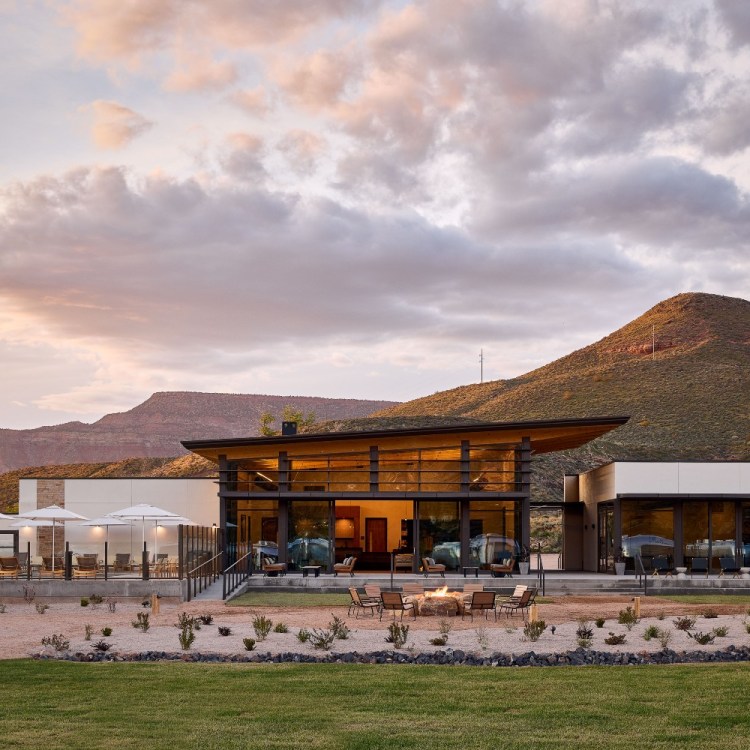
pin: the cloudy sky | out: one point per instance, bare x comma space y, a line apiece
351, 198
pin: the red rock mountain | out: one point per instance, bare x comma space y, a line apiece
156, 427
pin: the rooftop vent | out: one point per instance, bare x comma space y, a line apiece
288, 428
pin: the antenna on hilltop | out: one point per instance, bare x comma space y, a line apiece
481, 365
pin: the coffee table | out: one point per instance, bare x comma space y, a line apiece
314, 569
467, 568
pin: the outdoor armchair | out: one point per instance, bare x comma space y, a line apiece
9, 567
699, 565
362, 603
512, 605
481, 601
729, 565
430, 566
392, 601
503, 568
58, 569
122, 561
661, 564
346, 566
403, 561
87, 567
271, 568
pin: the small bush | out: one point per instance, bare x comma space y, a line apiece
225, 630
101, 646
441, 640
280, 627
684, 623
249, 643
397, 634
660, 616
322, 639
703, 638
303, 636
95, 600
584, 630
721, 631
106, 632
262, 626
445, 627
3, 607
87, 631
533, 630
651, 632
57, 641
84, 601
585, 642
112, 604
747, 627
339, 628
710, 614
615, 640
186, 636
29, 593
664, 637
41, 608
206, 619
483, 638
627, 617
600, 622
141, 622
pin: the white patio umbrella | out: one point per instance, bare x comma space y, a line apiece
143, 512
6, 517
175, 521
52, 513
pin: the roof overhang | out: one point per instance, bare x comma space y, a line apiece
545, 436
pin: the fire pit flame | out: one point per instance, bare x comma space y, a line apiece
443, 591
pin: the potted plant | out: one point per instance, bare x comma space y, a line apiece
523, 561
619, 563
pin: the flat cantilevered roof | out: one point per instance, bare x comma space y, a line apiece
546, 436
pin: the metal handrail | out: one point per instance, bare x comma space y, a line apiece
540, 574
640, 573
199, 581
234, 578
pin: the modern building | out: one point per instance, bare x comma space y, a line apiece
677, 510
458, 494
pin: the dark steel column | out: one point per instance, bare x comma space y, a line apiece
525, 461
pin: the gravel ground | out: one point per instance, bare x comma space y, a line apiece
23, 627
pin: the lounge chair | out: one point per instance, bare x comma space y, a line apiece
403, 561
660, 564
729, 565
362, 603
699, 565
511, 606
503, 568
9, 567
58, 569
481, 601
271, 568
347, 566
430, 566
122, 561
392, 601
87, 567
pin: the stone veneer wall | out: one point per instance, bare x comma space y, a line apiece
49, 492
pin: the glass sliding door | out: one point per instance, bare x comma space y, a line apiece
258, 527
648, 531
309, 533
495, 530
709, 531
606, 513
439, 538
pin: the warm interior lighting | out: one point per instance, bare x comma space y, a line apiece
344, 528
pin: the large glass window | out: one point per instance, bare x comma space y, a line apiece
746, 534
648, 531
708, 538
309, 533
493, 468
439, 533
495, 528
257, 524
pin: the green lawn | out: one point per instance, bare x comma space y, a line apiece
55, 705
288, 599
707, 598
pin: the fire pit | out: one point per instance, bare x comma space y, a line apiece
439, 603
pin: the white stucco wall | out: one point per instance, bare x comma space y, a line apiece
196, 499
678, 478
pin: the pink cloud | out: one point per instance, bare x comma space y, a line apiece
115, 125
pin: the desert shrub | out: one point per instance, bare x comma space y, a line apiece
225, 630
303, 636
106, 632
3, 607
483, 638
249, 643
684, 623
41, 608
57, 641
664, 637
339, 628
710, 614
112, 604
322, 639
651, 632
84, 601
397, 634
280, 627
95, 600
614, 640
184, 620
441, 640
262, 627
29, 593
747, 627
101, 646
600, 622
703, 638
141, 622
186, 636
584, 642
88, 629
627, 617
533, 630
445, 627
206, 619
721, 631
660, 616
584, 630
